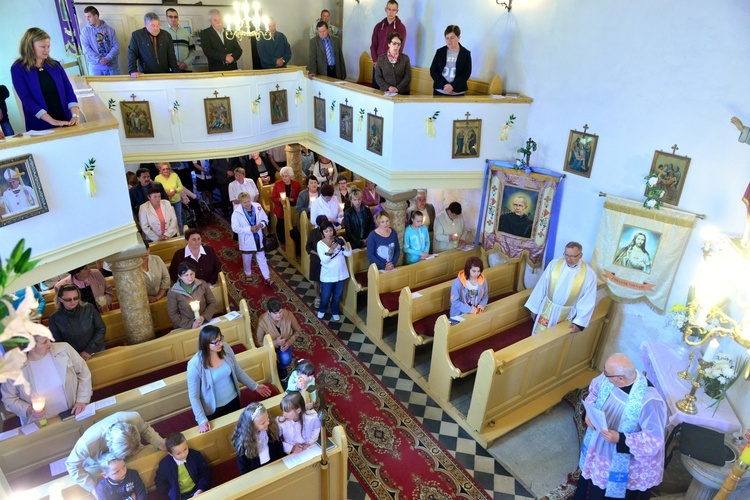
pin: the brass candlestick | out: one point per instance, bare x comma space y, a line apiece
687, 405
685, 374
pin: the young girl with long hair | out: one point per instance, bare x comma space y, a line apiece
256, 438
299, 430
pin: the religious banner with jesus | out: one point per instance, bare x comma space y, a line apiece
638, 250
518, 211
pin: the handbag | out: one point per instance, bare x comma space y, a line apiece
700, 443
270, 242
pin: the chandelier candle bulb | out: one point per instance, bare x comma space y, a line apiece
196, 306
710, 353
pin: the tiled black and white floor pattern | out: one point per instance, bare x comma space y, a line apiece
485, 469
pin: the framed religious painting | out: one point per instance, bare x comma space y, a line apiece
279, 106
319, 116
671, 171
218, 115
636, 248
136, 119
21, 191
346, 122
375, 134
518, 211
467, 135
579, 158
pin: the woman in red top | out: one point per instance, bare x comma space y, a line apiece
290, 188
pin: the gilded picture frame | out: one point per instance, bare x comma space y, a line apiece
218, 115
579, 157
21, 194
467, 137
279, 106
672, 172
136, 119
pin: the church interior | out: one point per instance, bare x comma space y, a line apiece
650, 82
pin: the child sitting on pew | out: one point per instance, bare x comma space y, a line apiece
118, 482
184, 473
302, 378
256, 439
298, 430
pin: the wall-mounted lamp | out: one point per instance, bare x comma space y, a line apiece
508, 5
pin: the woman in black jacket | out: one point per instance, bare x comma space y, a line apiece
357, 220
451, 66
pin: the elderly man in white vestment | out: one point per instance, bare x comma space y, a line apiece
566, 291
626, 459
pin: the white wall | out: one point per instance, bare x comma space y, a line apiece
643, 75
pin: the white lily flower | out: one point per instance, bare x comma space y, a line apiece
19, 324
651, 203
652, 181
10, 368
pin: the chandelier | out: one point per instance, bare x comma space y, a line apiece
241, 24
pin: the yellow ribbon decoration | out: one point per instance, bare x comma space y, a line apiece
89, 176
429, 127
504, 133
297, 98
331, 115
359, 125
255, 108
175, 118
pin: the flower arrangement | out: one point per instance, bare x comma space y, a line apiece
654, 196
720, 376
16, 325
682, 316
506, 128
429, 124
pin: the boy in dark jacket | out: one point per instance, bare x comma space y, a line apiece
119, 482
184, 473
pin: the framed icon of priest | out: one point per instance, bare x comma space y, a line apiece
21, 195
518, 211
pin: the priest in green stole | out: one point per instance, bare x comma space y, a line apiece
566, 291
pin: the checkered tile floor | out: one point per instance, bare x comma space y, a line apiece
488, 473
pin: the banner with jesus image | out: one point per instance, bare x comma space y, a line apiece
638, 251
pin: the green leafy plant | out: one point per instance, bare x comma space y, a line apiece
111, 104
525, 159
654, 193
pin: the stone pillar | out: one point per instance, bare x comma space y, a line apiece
294, 160
131, 294
395, 204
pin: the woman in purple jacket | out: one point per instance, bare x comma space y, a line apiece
42, 86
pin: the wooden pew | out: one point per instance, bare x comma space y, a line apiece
275, 480
387, 285
115, 323
291, 220
166, 249
21, 454
496, 320
304, 228
357, 265
526, 379
125, 362
265, 201
413, 312
421, 81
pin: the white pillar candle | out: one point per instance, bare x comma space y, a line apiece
195, 305
710, 353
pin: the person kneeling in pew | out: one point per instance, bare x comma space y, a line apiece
469, 292
256, 439
120, 434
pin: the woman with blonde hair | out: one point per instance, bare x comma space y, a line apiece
248, 221
42, 86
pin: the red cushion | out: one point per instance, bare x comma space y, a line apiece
390, 299
466, 359
361, 278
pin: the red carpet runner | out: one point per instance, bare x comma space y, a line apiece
390, 452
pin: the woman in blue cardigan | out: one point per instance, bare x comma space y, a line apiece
47, 98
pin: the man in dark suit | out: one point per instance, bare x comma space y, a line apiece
325, 56
151, 49
224, 173
222, 52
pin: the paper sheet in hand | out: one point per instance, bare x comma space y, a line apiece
89, 411
597, 417
303, 456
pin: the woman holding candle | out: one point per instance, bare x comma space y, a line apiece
383, 248
286, 188
213, 377
190, 301
248, 221
469, 292
57, 375
307, 196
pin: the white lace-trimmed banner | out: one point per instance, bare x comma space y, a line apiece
638, 251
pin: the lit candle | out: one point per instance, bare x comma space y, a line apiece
341, 206
710, 353
283, 197
37, 404
455, 241
745, 457
330, 170
700, 316
195, 305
